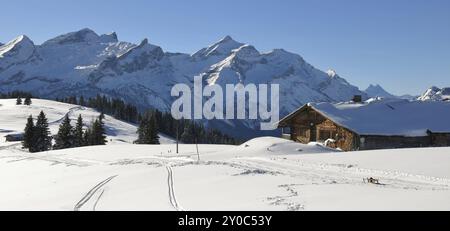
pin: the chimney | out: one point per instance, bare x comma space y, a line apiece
357, 98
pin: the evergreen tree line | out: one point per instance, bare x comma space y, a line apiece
153, 121
37, 136
72, 137
190, 131
114, 107
16, 94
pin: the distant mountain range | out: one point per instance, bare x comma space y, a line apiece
378, 91
431, 94
435, 94
85, 63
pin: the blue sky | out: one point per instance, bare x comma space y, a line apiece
404, 45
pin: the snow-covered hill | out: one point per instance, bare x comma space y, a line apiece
435, 94
14, 117
85, 63
261, 174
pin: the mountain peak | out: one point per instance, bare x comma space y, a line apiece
331, 73
434, 88
246, 51
226, 39
86, 30
16, 51
223, 47
435, 94
283, 52
374, 86
375, 90
83, 35
109, 38
113, 34
143, 42
143, 47
21, 42
226, 42
22, 38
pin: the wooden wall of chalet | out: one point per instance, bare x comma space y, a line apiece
345, 139
369, 142
301, 126
440, 139
302, 131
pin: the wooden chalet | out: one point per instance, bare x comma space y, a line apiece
14, 137
378, 124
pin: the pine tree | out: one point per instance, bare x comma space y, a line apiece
148, 130
101, 117
65, 136
87, 140
78, 133
100, 131
43, 140
97, 134
154, 138
142, 130
81, 101
28, 136
188, 135
27, 100
19, 100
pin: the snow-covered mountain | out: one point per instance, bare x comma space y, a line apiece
85, 63
436, 94
378, 91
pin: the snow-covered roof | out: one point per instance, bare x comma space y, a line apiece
387, 116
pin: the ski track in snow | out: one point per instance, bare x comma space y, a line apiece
323, 174
71, 110
21, 156
311, 173
98, 199
92, 192
172, 197
8, 147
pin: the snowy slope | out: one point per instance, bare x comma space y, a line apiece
435, 94
13, 119
262, 174
85, 63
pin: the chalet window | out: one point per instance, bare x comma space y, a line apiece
326, 134
286, 130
